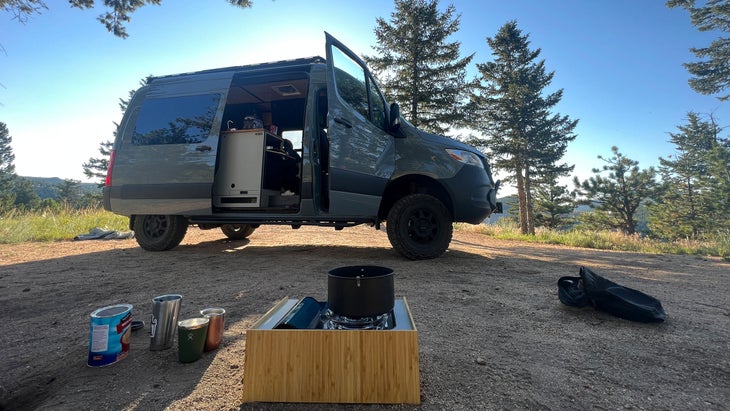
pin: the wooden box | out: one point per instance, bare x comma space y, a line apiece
332, 366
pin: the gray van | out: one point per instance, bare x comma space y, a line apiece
309, 141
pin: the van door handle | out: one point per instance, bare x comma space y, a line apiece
343, 122
203, 148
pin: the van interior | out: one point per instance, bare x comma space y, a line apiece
262, 128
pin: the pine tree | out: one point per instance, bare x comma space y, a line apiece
23, 9
26, 197
419, 68
553, 203
114, 19
682, 212
97, 167
711, 73
717, 181
69, 192
7, 169
619, 195
525, 139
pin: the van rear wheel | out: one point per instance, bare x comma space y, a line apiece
237, 231
419, 227
159, 232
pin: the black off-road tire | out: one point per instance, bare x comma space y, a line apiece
237, 231
159, 232
419, 227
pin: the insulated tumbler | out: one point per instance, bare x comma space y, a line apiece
215, 327
165, 309
191, 335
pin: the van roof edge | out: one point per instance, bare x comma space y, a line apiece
250, 67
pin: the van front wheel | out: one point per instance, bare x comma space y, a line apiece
237, 231
419, 227
159, 232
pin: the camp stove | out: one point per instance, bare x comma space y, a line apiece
334, 321
359, 298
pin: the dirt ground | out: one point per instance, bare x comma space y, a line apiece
492, 332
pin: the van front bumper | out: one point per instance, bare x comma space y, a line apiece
474, 195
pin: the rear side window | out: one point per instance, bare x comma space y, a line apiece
176, 120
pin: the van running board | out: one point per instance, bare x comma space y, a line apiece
338, 225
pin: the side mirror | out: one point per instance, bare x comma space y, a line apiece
394, 119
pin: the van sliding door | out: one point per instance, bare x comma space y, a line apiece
362, 153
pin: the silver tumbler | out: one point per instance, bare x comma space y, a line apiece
163, 324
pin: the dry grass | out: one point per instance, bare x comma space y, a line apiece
605, 240
53, 225
66, 223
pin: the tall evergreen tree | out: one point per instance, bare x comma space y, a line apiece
525, 139
97, 167
418, 67
621, 192
682, 211
7, 169
553, 203
69, 191
712, 72
26, 197
717, 181
23, 9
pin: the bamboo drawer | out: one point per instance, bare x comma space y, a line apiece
332, 366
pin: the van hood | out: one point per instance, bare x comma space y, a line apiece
442, 141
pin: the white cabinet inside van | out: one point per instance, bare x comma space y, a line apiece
238, 178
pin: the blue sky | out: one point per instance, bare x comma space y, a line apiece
619, 63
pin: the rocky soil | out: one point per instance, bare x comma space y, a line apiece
492, 332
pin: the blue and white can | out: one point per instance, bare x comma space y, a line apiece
109, 334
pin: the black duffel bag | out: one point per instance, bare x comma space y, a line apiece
605, 295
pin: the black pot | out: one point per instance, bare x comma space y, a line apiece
360, 291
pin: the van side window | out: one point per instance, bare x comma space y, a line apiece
176, 120
356, 87
378, 106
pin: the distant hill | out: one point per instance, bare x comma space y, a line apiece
507, 203
47, 187
511, 201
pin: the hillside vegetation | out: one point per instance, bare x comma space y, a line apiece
66, 223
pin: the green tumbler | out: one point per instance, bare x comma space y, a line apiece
191, 338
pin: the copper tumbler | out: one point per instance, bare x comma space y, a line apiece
215, 327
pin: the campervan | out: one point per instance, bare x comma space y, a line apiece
310, 141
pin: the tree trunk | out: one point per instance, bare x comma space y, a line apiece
414, 90
528, 203
693, 215
522, 201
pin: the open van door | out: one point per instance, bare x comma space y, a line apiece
362, 152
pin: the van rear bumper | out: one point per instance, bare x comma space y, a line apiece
107, 202
473, 193
171, 199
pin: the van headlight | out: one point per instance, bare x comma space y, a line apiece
466, 157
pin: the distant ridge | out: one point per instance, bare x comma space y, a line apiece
47, 187
511, 201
